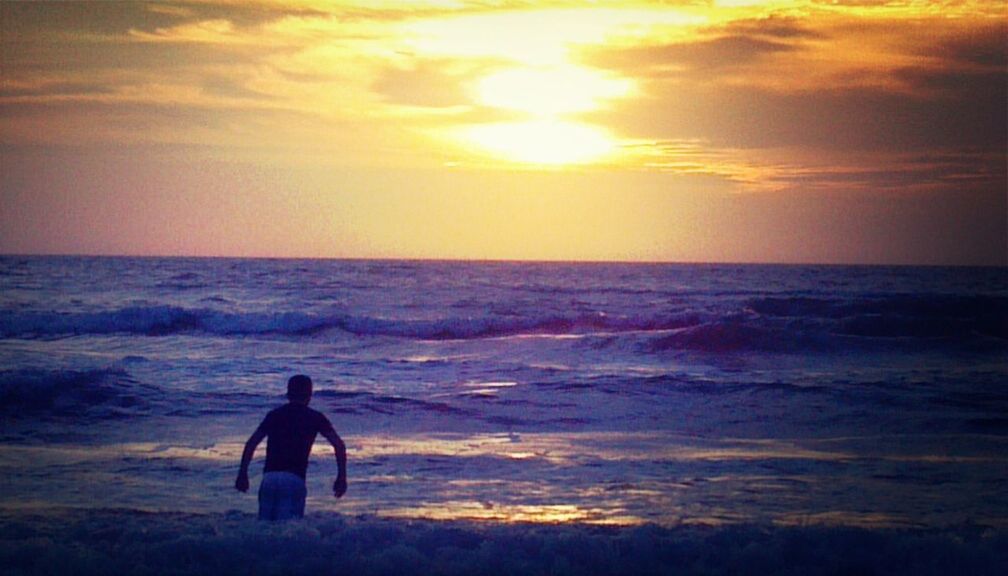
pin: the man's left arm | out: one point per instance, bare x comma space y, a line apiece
242, 482
340, 485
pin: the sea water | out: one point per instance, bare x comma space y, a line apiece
634, 394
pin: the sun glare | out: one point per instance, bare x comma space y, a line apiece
539, 74
551, 91
543, 82
548, 95
543, 141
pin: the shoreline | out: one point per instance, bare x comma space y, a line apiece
102, 541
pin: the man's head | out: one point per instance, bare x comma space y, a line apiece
299, 389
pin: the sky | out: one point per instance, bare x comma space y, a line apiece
792, 131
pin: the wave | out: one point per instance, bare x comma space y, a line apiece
856, 336
916, 316
737, 335
761, 324
127, 541
165, 320
806, 324
101, 393
359, 402
663, 384
151, 321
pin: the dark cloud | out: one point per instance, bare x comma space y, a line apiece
780, 27
139, 117
63, 88
983, 45
40, 56
969, 112
962, 171
247, 14
737, 45
718, 88
863, 3
26, 19
670, 59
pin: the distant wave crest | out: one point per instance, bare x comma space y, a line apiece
763, 324
163, 320
802, 324
918, 316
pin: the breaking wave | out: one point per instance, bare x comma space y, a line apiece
103, 393
134, 542
802, 325
163, 320
923, 316
769, 324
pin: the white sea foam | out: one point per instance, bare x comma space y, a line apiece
132, 542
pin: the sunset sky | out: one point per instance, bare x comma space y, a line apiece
859, 131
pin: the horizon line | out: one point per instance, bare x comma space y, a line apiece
506, 260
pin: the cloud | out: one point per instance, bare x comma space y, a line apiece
433, 83
773, 26
828, 83
171, 10
218, 31
981, 46
951, 170
830, 104
52, 88
828, 119
692, 57
769, 170
736, 45
831, 82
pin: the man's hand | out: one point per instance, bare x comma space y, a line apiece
339, 487
242, 483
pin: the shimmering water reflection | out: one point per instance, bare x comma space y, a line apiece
590, 477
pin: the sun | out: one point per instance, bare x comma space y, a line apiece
531, 73
542, 141
549, 97
550, 91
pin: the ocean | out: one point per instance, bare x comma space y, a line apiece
620, 396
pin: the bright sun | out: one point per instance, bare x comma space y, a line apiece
544, 141
547, 95
550, 91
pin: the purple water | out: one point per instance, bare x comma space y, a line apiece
598, 393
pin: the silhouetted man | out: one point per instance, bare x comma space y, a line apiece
290, 431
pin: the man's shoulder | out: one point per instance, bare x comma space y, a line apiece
319, 418
276, 411
272, 415
298, 412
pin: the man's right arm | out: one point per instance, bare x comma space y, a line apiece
242, 482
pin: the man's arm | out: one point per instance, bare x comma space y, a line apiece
242, 482
340, 485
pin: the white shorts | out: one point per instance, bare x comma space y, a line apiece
281, 496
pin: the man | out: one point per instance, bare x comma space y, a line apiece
290, 430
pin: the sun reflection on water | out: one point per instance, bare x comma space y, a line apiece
586, 477
511, 513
